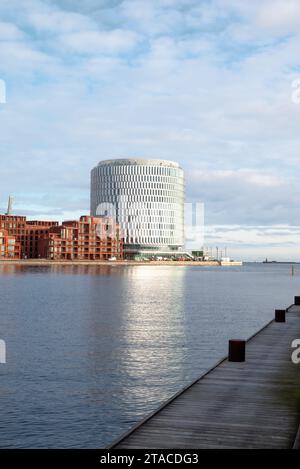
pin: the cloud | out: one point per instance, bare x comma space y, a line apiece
241, 176
245, 197
254, 243
97, 42
207, 84
58, 21
9, 31
14, 53
281, 15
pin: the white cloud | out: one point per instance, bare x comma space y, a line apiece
59, 21
9, 32
97, 42
13, 54
240, 176
281, 15
278, 242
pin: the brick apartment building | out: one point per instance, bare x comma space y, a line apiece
15, 226
90, 238
26, 232
9, 248
34, 231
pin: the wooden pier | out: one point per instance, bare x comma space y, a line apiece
252, 404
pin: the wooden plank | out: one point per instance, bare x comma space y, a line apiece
235, 405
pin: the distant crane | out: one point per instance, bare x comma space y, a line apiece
9, 205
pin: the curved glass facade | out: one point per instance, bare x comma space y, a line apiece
146, 197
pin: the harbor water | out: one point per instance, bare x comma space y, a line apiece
92, 349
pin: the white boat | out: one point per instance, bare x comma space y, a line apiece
230, 262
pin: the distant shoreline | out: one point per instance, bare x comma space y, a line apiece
280, 262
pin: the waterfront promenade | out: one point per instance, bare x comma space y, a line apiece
253, 404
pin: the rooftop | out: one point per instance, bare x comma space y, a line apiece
138, 161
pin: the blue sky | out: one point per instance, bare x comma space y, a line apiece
205, 83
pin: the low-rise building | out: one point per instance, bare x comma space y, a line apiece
35, 230
90, 238
9, 248
26, 233
15, 226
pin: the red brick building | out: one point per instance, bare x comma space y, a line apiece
15, 226
90, 238
9, 248
26, 232
34, 231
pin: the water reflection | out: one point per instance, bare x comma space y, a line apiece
154, 330
91, 349
109, 269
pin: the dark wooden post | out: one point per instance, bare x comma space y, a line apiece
279, 315
237, 351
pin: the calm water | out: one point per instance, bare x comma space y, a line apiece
91, 350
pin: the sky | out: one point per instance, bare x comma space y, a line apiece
211, 84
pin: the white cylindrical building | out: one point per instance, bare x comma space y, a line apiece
146, 197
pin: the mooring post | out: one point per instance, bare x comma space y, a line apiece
280, 315
237, 350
